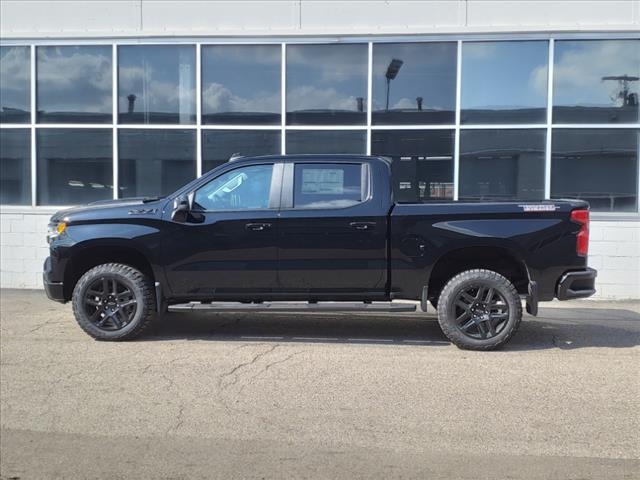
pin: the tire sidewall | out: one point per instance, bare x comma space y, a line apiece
449, 295
79, 308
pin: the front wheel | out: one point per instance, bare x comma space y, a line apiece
479, 310
114, 302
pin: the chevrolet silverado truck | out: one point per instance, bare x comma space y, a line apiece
316, 233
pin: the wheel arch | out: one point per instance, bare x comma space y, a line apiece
498, 259
88, 256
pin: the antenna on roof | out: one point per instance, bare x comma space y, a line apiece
235, 156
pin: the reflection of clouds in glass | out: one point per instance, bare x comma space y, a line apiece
428, 71
218, 98
580, 65
329, 63
312, 98
481, 50
153, 94
504, 74
15, 76
74, 79
241, 54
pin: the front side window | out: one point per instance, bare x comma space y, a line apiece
245, 188
328, 185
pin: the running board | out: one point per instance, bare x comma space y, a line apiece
294, 307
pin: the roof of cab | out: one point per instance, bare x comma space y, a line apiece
333, 157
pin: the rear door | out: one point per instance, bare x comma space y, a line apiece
331, 234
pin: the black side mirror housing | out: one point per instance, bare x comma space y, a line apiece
182, 205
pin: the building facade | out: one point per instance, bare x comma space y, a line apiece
473, 100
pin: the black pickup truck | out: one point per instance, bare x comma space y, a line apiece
315, 233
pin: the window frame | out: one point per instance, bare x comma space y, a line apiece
274, 188
288, 184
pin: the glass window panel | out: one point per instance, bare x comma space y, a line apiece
74, 165
422, 162
74, 84
155, 162
596, 81
504, 82
241, 84
156, 84
15, 166
502, 164
600, 166
15, 88
219, 145
331, 185
245, 188
414, 83
327, 84
326, 141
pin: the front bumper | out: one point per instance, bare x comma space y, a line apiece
577, 284
54, 290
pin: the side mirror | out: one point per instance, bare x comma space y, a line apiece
181, 207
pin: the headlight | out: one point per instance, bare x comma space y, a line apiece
54, 230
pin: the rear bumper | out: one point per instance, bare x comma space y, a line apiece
54, 290
578, 284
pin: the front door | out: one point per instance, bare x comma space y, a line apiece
331, 236
227, 246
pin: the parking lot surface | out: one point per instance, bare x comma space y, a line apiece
319, 396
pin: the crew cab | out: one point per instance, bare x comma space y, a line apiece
316, 233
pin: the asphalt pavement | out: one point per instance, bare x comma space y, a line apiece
318, 396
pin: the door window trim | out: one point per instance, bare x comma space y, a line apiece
288, 184
274, 188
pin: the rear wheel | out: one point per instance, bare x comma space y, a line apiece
114, 302
479, 310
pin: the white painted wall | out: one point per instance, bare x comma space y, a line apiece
614, 252
100, 18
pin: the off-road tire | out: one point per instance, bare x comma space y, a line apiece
459, 290
135, 282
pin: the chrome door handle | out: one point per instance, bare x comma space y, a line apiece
362, 225
257, 227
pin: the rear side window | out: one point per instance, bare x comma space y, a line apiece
327, 185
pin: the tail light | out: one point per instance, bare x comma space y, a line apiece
582, 239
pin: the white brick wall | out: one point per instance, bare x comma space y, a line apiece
614, 251
23, 248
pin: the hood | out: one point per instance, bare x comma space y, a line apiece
105, 208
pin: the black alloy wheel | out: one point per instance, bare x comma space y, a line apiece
114, 301
110, 303
479, 310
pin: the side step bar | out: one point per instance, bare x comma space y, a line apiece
294, 307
